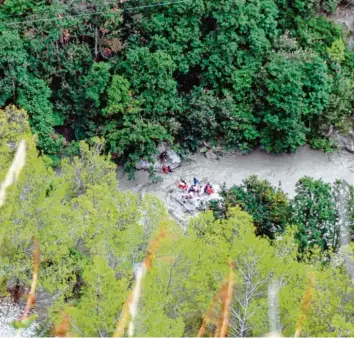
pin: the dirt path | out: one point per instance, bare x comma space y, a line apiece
232, 169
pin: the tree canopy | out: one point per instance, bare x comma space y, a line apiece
92, 238
239, 73
85, 84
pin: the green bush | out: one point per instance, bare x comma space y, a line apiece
314, 212
267, 205
322, 144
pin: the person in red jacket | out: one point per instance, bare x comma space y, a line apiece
165, 169
182, 185
208, 189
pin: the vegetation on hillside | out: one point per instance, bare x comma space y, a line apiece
92, 237
85, 82
314, 211
238, 73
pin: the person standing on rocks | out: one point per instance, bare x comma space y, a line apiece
163, 156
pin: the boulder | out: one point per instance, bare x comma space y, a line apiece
162, 147
211, 155
344, 142
143, 165
173, 160
344, 16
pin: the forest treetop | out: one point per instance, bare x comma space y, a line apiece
238, 73
92, 236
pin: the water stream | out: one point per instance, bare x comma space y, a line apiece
284, 169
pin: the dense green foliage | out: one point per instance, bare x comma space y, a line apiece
268, 206
87, 230
314, 210
315, 213
92, 235
239, 73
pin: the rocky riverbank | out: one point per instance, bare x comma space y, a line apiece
231, 169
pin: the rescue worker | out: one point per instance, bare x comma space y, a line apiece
182, 185
165, 169
192, 189
208, 189
163, 156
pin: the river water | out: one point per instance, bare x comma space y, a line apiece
232, 169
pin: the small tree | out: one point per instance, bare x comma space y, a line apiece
314, 212
268, 205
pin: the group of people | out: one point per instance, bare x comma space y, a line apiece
195, 188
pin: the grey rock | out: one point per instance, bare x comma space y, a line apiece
184, 207
162, 147
211, 155
173, 160
143, 165
344, 142
344, 15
